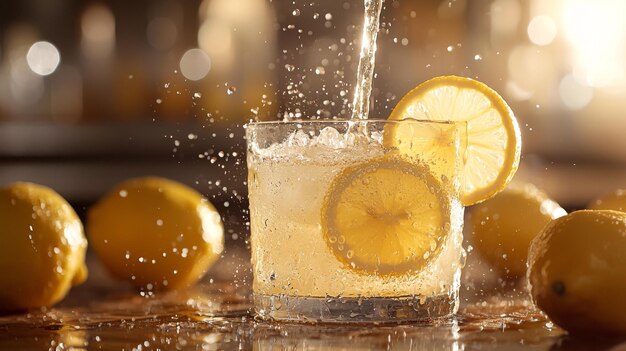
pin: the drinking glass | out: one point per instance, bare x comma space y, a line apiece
355, 221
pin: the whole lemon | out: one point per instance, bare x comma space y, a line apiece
42, 247
503, 226
155, 233
615, 201
577, 271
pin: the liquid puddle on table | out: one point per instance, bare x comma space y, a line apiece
218, 317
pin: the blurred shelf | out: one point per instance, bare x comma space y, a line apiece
83, 161
128, 140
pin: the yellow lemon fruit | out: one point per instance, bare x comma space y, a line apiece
42, 247
155, 233
615, 201
492, 143
386, 216
577, 270
440, 145
503, 227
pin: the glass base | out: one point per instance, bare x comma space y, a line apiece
355, 310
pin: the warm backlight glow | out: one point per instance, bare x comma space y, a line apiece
596, 31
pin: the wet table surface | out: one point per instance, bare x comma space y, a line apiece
219, 316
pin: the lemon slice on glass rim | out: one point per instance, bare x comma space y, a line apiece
493, 141
386, 216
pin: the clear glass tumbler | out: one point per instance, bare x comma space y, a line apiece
355, 221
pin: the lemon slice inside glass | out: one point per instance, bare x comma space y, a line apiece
493, 140
386, 216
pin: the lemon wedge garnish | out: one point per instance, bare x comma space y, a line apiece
386, 216
493, 141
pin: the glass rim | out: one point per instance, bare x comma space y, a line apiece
346, 120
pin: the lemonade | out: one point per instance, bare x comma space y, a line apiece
360, 220
345, 226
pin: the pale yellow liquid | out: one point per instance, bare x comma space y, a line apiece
290, 255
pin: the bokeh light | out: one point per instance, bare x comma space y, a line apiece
542, 30
195, 64
574, 95
98, 31
215, 37
43, 58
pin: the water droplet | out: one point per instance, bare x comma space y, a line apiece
123, 193
289, 67
477, 57
450, 48
296, 12
319, 70
159, 222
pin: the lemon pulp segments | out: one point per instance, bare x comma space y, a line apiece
385, 216
437, 144
493, 136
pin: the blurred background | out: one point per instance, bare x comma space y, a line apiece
93, 92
